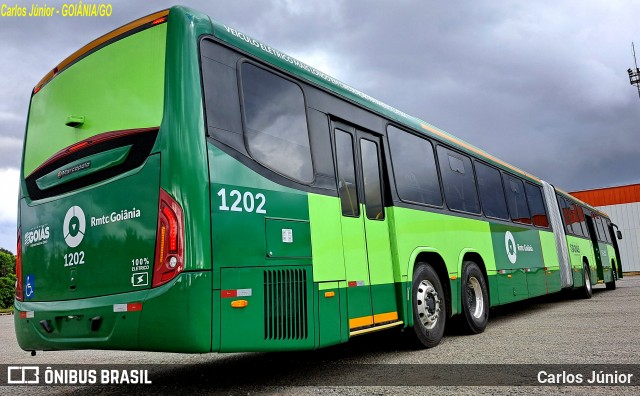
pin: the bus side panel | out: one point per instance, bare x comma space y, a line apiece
262, 270
445, 235
188, 327
550, 258
329, 267
326, 238
581, 249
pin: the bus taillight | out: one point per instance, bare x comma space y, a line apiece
19, 268
169, 260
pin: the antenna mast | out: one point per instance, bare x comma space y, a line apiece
634, 74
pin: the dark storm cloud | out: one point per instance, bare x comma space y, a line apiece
542, 85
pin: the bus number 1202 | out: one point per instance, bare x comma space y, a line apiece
246, 202
75, 258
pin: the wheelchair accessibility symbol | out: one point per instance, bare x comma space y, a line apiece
29, 287
74, 226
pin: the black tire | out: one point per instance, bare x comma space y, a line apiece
586, 291
429, 307
475, 299
612, 285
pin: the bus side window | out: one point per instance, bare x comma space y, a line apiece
517, 201
491, 191
276, 123
458, 180
536, 205
607, 235
222, 100
347, 188
575, 220
371, 180
602, 230
414, 168
566, 214
582, 221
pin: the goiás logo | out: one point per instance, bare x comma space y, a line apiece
38, 235
74, 226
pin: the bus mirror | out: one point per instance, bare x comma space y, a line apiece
619, 234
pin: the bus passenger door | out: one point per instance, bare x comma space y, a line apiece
596, 245
612, 228
365, 231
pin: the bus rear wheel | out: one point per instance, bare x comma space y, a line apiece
586, 291
429, 306
612, 285
475, 299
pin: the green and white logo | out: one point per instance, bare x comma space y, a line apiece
74, 226
516, 247
510, 245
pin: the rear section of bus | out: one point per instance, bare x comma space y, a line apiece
104, 257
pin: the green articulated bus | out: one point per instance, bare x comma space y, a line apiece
187, 188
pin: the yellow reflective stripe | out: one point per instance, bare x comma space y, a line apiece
370, 320
385, 317
360, 322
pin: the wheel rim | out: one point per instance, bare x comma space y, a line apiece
587, 281
475, 298
428, 304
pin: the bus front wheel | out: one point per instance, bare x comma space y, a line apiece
586, 290
429, 306
475, 299
612, 285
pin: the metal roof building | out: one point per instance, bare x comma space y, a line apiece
622, 204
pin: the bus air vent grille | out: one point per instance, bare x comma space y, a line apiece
285, 306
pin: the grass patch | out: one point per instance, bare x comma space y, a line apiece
6, 310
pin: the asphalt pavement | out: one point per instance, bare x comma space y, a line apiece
548, 331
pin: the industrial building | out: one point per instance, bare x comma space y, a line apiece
622, 204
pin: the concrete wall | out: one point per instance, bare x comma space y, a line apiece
627, 217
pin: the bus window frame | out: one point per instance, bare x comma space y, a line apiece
354, 164
473, 175
582, 219
524, 194
504, 195
241, 97
544, 205
381, 189
393, 168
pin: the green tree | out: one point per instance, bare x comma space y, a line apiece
7, 263
7, 290
7, 278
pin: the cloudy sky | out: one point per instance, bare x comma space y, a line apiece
540, 84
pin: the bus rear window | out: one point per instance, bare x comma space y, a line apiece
119, 86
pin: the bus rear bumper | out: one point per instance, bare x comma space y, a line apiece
175, 317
